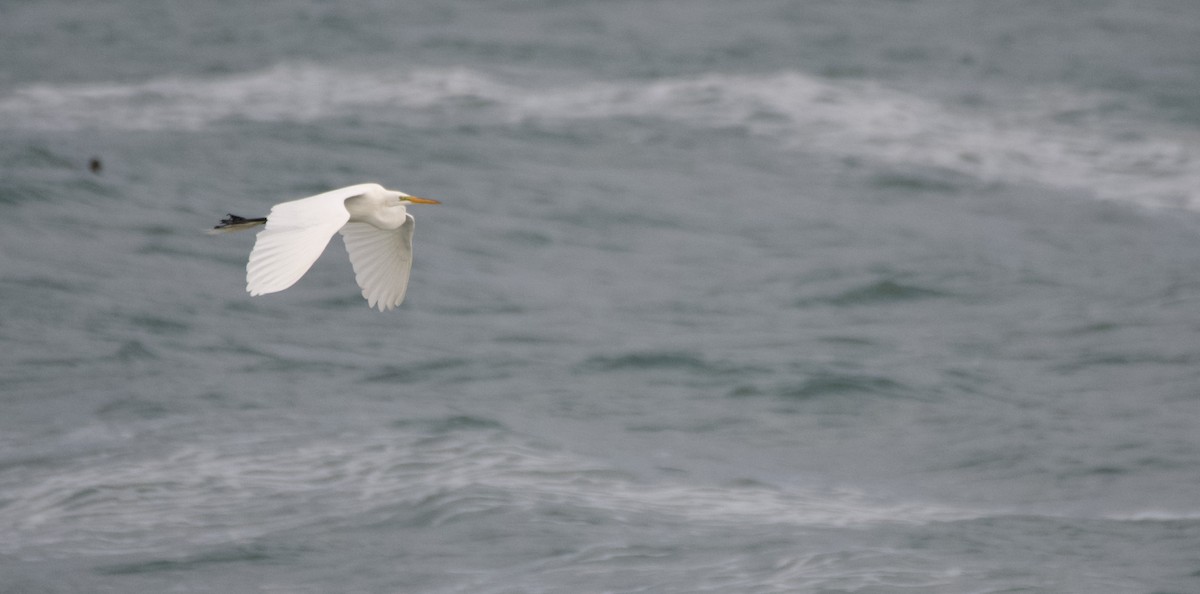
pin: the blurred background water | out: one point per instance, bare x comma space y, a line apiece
770, 296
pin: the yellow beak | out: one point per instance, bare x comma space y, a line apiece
416, 200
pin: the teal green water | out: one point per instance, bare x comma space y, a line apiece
732, 297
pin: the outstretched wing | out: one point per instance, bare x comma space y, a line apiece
296, 234
382, 260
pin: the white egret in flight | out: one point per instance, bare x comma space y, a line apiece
374, 224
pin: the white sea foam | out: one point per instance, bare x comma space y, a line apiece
860, 120
1156, 515
233, 492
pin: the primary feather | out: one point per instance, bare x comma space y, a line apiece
382, 261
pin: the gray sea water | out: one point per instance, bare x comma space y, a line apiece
766, 296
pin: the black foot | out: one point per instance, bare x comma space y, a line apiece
233, 219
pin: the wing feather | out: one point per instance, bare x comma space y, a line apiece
382, 261
296, 234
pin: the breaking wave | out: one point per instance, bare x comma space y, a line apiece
843, 119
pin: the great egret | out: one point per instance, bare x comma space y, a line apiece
374, 224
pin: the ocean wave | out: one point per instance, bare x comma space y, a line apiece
233, 492
841, 118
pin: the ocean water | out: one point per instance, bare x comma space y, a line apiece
770, 296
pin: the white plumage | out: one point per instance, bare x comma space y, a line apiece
374, 224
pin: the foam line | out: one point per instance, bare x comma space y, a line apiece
852, 119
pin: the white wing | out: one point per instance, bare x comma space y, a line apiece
296, 234
382, 260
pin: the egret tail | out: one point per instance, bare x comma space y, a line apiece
233, 223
